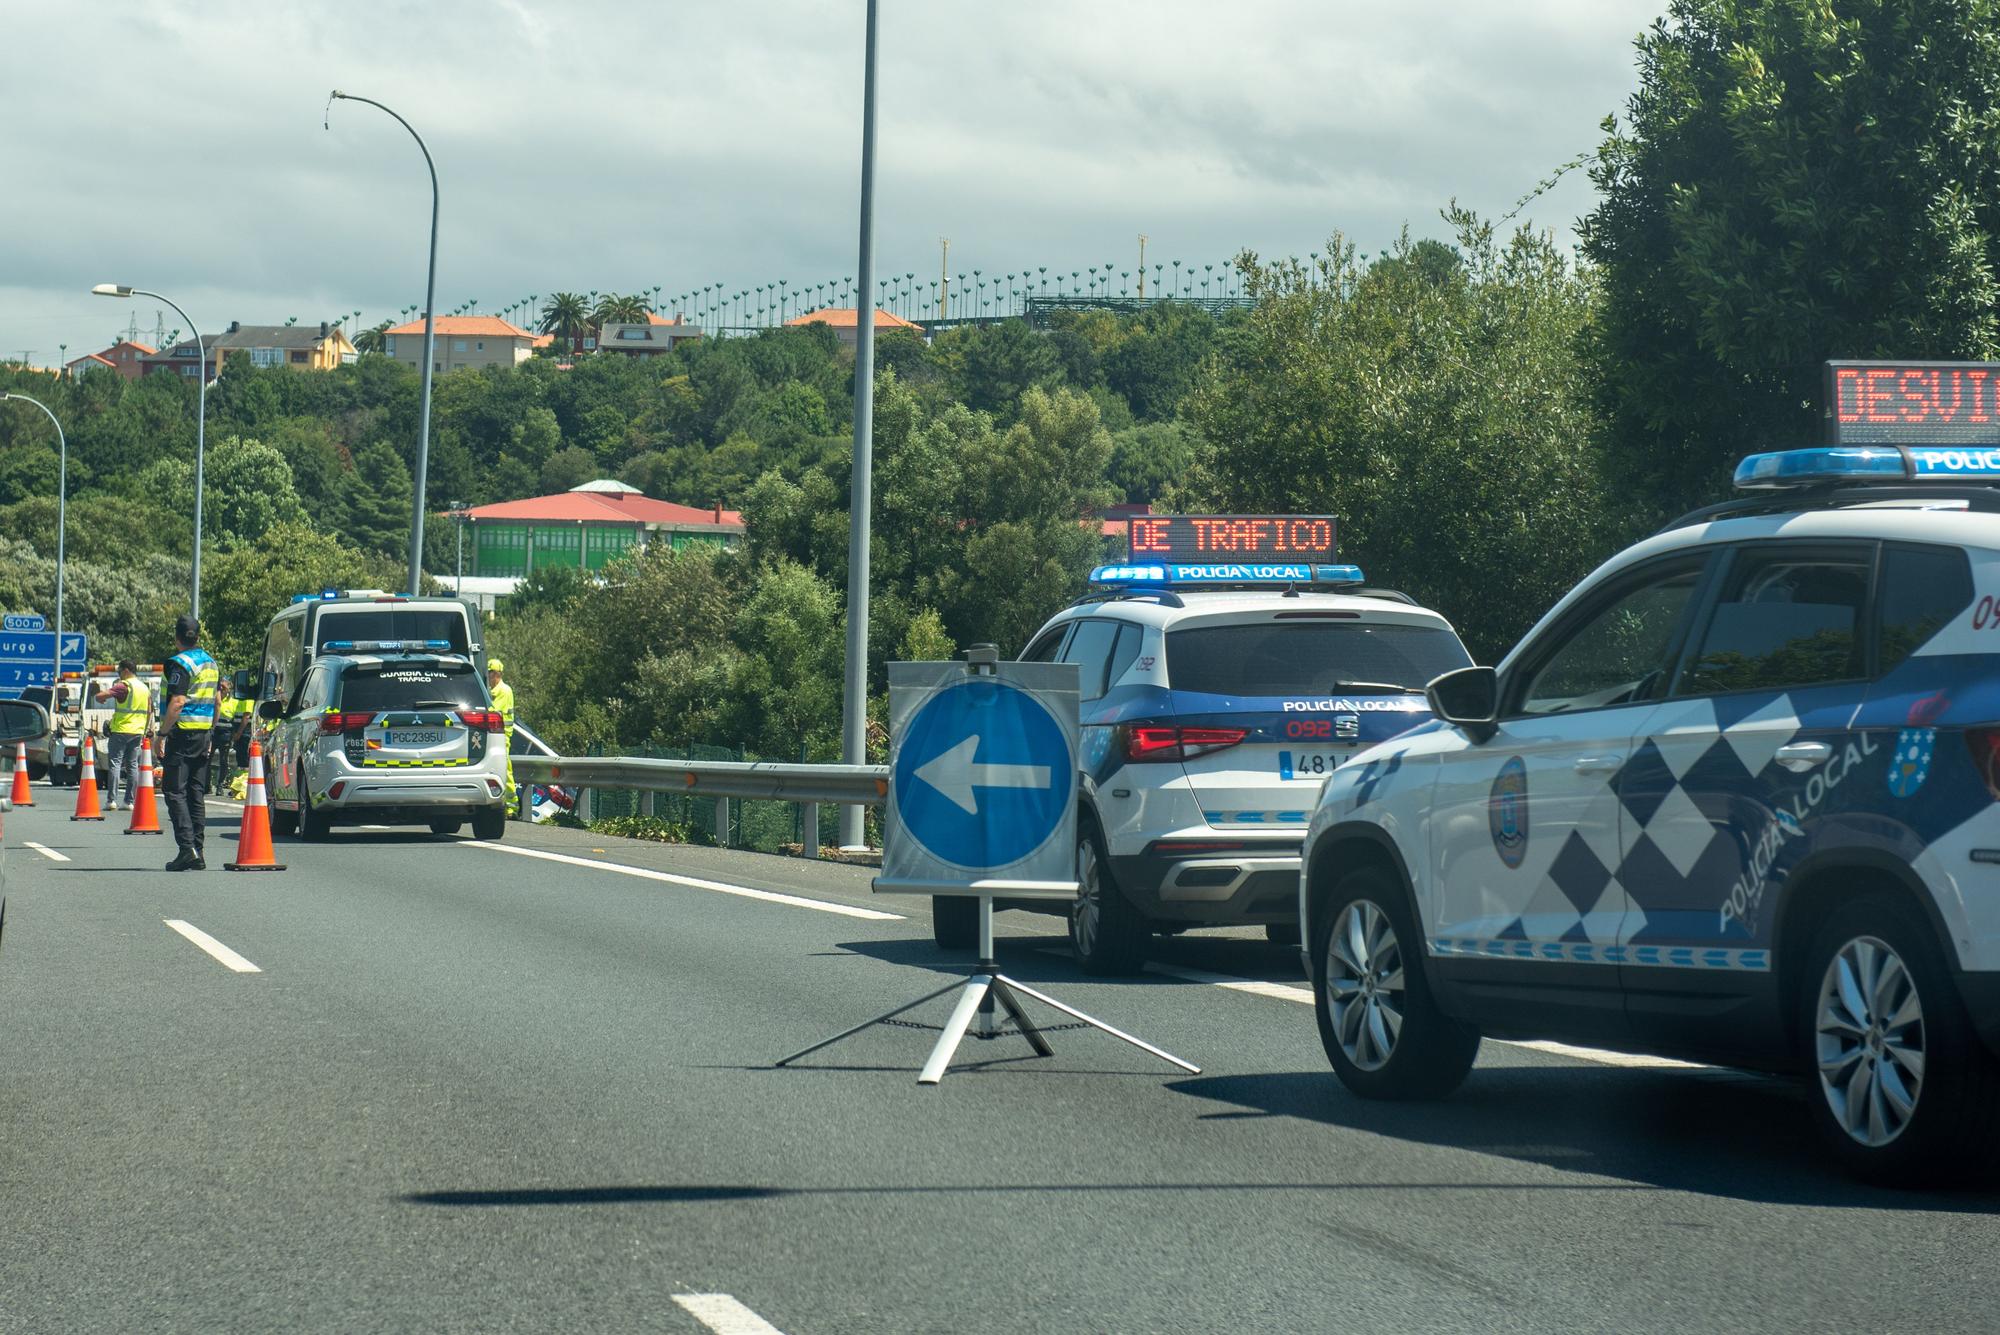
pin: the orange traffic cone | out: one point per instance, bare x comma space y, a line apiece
21, 797
253, 837
145, 809
86, 783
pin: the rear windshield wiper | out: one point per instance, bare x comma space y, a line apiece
1396, 687
435, 704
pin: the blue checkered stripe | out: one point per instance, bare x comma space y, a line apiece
1641, 875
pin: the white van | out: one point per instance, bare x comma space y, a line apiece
301, 632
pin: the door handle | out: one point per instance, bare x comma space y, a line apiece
1799, 757
1598, 764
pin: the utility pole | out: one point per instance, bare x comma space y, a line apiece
944, 275
854, 714
1142, 266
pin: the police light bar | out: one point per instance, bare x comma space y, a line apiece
384, 646
1176, 574
1860, 464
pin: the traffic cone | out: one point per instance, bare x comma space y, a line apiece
86, 783
21, 797
145, 809
253, 837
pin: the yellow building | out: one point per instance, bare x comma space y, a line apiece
460, 341
318, 347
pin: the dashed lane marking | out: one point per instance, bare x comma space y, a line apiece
223, 955
45, 851
694, 882
724, 1315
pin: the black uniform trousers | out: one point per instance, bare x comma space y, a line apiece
186, 772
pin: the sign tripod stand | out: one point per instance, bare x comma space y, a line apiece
1007, 821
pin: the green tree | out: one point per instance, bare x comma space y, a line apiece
786, 682
1002, 361
567, 316
1795, 181
1146, 460
246, 491
568, 468
243, 587
375, 500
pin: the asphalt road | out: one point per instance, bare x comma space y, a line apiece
472, 1089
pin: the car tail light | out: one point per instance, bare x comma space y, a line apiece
1985, 745
483, 720
333, 724
1154, 742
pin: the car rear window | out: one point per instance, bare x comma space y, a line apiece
395, 623
1309, 658
372, 690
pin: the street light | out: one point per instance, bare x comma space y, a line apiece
430, 346
122, 293
854, 696
62, 525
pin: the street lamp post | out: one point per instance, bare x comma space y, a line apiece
123, 292
422, 470
62, 527
458, 510
854, 720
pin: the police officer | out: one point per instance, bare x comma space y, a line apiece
131, 717
503, 700
187, 728
225, 723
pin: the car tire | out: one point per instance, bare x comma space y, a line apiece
1282, 933
1902, 1090
955, 922
1380, 1025
447, 826
313, 827
489, 823
1105, 931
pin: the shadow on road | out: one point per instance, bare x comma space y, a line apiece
1716, 1133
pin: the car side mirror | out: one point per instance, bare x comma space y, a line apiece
22, 719
271, 709
1468, 698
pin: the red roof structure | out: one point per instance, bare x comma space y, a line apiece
847, 317
465, 326
596, 507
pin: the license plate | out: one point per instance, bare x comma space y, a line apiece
426, 737
1307, 764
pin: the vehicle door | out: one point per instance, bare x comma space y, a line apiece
296, 731
1527, 831
1089, 644
1746, 765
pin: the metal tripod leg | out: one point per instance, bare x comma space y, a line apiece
1004, 982
1005, 994
975, 991
865, 1024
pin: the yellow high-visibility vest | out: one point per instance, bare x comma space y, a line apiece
129, 715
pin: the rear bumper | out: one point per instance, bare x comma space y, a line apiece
1256, 884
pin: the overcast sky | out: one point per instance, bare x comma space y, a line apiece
593, 146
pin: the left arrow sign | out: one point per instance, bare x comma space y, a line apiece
954, 774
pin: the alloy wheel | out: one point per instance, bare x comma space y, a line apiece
1364, 984
1870, 1041
1086, 912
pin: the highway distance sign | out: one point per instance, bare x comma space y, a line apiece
982, 780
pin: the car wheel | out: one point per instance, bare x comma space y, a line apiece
1903, 1091
1281, 933
955, 922
313, 826
447, 826
1108, 935
489, 823
1381, 1027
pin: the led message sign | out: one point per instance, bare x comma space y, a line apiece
1206, 537
1913, 403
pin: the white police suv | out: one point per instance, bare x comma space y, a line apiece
390, 731
1217, 697
1731, 800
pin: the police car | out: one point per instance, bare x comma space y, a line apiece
389, 731
1216, 698
1731, 800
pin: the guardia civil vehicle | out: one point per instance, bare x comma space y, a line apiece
1225, 672
1731, 800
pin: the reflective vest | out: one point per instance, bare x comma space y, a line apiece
503, 700
198, 708
130, 714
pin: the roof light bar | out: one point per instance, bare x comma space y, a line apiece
384, 646
1178, 574
1851, 463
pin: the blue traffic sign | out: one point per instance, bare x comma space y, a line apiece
25, 621
983, 775
39, 646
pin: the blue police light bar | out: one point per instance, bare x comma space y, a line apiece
1179, 574
1850, 463
384, 646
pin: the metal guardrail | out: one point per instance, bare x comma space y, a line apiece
723, 780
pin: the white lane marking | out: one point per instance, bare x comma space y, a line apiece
721, 887
374, 827
724, 1315
1304, 996
228, 958
48, 853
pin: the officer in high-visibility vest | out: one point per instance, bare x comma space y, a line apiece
225, 725
131, 717
503, 700
187, 730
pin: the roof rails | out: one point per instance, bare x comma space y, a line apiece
1827, 496
1141, 593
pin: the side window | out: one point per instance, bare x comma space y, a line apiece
1122, 653
313, 695
1090, 649
1923, 588
1044, 649
1619, 652
1784, 619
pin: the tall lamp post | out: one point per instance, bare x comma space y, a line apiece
430, 345
62, 525
122, 292
854, 720
459, 509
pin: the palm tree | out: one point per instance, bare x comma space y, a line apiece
567, 316
372, 340
615, 309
